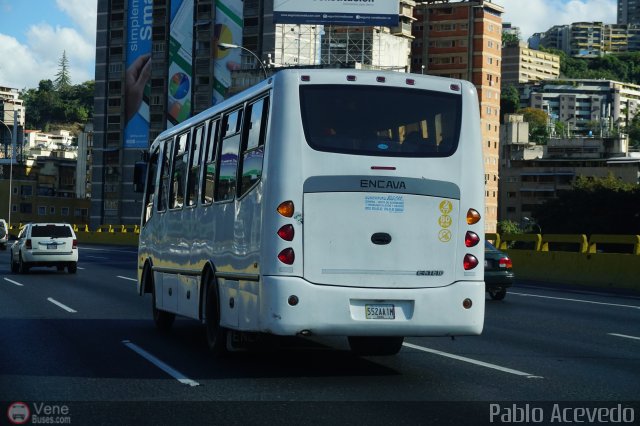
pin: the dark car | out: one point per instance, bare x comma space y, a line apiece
498, 272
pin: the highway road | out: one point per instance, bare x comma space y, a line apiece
86, 343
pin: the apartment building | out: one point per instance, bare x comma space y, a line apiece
521, 65
581, 102
11, 123
629, 12
589, 39
464, 40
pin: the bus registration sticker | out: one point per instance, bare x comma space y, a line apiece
380, 311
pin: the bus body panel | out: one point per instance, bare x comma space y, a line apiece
331, 310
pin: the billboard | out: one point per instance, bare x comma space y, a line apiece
228, 29
340, 12
180, 78
138, 72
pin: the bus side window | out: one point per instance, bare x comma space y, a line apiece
151, 186
226, 182
194, 168
253, 151
163, 191
178, 176
209, 161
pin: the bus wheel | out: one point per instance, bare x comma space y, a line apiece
162, 319
216, 335
375, 345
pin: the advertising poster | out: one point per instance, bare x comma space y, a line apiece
228, 29
180, 81
341, 12
138, 71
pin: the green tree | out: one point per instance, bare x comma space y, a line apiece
592, 206
509, 100
633, 130
510, 38
537, 120
508, 227
63, 80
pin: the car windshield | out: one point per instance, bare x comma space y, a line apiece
381, 121
54, 231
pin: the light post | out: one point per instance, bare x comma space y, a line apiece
532, 222
225, 46
422, 67
13, 146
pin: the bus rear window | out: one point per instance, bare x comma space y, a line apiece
381, 121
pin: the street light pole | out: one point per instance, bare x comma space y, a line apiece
225, 46
10, 172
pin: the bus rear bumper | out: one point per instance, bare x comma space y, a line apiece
342, 311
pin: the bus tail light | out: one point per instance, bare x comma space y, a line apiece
27, 243
505, 262
411, 82
287, 256
381, 79
473, 217
286, 208
470, 262
351, 78
471, 239
286, 232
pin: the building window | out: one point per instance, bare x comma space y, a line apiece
26, 208
26, 190
64, 211
52, 210
42, 210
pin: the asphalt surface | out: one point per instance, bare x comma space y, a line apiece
86, 342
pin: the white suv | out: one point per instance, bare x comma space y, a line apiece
45, 244
4, 234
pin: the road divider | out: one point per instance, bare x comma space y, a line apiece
160, 364
473, 361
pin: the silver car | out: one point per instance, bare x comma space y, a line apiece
45, 244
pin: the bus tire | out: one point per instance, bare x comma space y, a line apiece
162, 319
375, 345
216, 335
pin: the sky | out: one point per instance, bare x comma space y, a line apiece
34, 33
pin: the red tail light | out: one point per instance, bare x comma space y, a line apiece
27, 243
505, 262
287, 256
286, 232
75, 244
470, 262
471, 239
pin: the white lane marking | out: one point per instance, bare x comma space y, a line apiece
65, 307
161, 365
624, 335
574, 300
80, 268
14, 282
113, 250
473, 361
97, 257
126, 278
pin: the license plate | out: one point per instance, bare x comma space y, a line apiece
52, 246
380, 311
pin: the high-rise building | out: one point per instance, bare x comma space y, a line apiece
464, 40
160, 62
629, 12
521, 64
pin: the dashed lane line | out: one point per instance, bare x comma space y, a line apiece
14, 282
574, 300
624, 335
160, 364
473, 361
127, 278
61, 305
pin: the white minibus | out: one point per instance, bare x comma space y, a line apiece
321, 203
